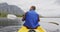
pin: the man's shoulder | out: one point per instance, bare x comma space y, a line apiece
36, 13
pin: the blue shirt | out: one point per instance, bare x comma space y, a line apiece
31, 19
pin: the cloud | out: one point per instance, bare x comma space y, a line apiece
57, 2
44, 7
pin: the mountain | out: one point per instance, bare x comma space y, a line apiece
10, 9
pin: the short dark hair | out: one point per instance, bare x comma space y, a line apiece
34, 8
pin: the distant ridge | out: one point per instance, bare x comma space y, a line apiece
10, 9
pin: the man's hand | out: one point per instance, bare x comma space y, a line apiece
24, 16
23, 19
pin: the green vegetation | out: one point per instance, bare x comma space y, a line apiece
19, 15
3, 14
41, 16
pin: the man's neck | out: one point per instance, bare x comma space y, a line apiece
32, 10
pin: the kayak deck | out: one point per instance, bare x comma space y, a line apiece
24, 29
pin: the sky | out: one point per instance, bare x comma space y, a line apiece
46, 8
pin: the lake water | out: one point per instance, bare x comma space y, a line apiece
44, 22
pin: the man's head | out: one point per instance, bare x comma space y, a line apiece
32, 8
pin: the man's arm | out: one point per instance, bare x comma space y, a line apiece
24, 16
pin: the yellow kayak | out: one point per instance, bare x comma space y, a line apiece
24, 29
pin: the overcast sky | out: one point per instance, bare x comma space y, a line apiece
50, 8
